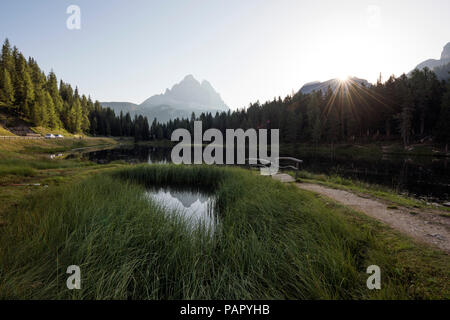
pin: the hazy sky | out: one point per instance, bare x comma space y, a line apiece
128, 50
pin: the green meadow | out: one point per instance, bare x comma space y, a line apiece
272, 241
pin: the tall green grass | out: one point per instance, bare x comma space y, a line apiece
22, 167
18, 170
272, 242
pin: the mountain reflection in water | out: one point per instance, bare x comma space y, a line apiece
196, 206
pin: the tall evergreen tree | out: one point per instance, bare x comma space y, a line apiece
6, 59
52, 88
39, 114
6, 88
406, 118
75, 116
442, 130
53, 119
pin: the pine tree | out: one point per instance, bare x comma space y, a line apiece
442, 131
52, 88
53, 120
313, 115
18, 77
71, 119
75, 116
6, 59
406, 119
6, 68
330, 117
85, 123
28, 93
145, 130
317, 131
6, 88
38, 111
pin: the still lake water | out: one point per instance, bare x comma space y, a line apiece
420, 176
196, 207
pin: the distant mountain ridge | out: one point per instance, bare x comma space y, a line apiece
333, 84
441, 67
189, 92
181, 101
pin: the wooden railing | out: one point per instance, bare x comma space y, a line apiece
265, 163
296, 168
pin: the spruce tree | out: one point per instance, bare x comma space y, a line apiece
53, 120
52, 88
442, 131
17, 77
406, 118
75, 116
6, 88
28, 93
85, 123
38, 111
6, 59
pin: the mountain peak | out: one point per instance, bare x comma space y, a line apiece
189, 78
207, 86
446, 52
434, 64
205, 83
185, 97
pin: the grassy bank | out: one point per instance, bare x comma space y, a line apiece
26, 163
23, 158
4, 132
360, 187
32, 149
273, 242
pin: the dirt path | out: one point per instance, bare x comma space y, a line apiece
423, 226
